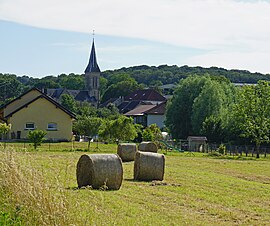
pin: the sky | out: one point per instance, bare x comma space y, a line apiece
49, 37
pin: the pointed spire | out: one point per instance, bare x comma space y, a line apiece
92, 65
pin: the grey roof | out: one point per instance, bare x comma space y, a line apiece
139, 110
83, 95
159, 109
92, 65
54, 93
127, 106
107, 102
79, 95
145, 95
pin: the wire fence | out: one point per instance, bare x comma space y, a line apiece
239, 150
227, 149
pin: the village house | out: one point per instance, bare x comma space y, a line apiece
140, 97
149, 114
156, 115
35, 110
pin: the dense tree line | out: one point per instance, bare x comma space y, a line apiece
114, 83
149, 75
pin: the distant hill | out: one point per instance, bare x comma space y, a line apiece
149, 75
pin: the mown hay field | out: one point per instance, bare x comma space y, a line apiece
40, 188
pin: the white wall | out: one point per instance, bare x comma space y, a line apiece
156, 119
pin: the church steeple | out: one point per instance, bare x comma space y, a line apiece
92, 65
92, 75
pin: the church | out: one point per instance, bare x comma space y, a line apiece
91, 93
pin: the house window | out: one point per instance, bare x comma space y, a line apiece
52, 126
29, 126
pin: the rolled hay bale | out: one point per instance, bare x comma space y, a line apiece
148, 147
149, 166
99, 171
127, 151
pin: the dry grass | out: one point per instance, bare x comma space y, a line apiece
27, 194
195, 191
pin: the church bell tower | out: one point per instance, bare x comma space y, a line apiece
92, 75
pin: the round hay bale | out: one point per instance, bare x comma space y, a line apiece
98, 170
148, 147
149, 166
127, 151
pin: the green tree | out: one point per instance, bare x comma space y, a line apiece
121, 129
195, 100
122, 88
108, 112
147, 135
46, 82
106, 130
85, 109
252, 113
4, 129
68, 102
124, 129
151, 133
36, 137
179, 109
71, 81
215, 99
10, 87
88, 126
119, 77
213, 129
103, 84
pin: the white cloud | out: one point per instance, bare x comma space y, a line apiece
253, 61
230, 28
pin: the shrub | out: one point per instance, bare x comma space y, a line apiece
147, 135
222, 149
36, 137
152, 133
4, 128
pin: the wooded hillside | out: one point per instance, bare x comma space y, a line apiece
119, 80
